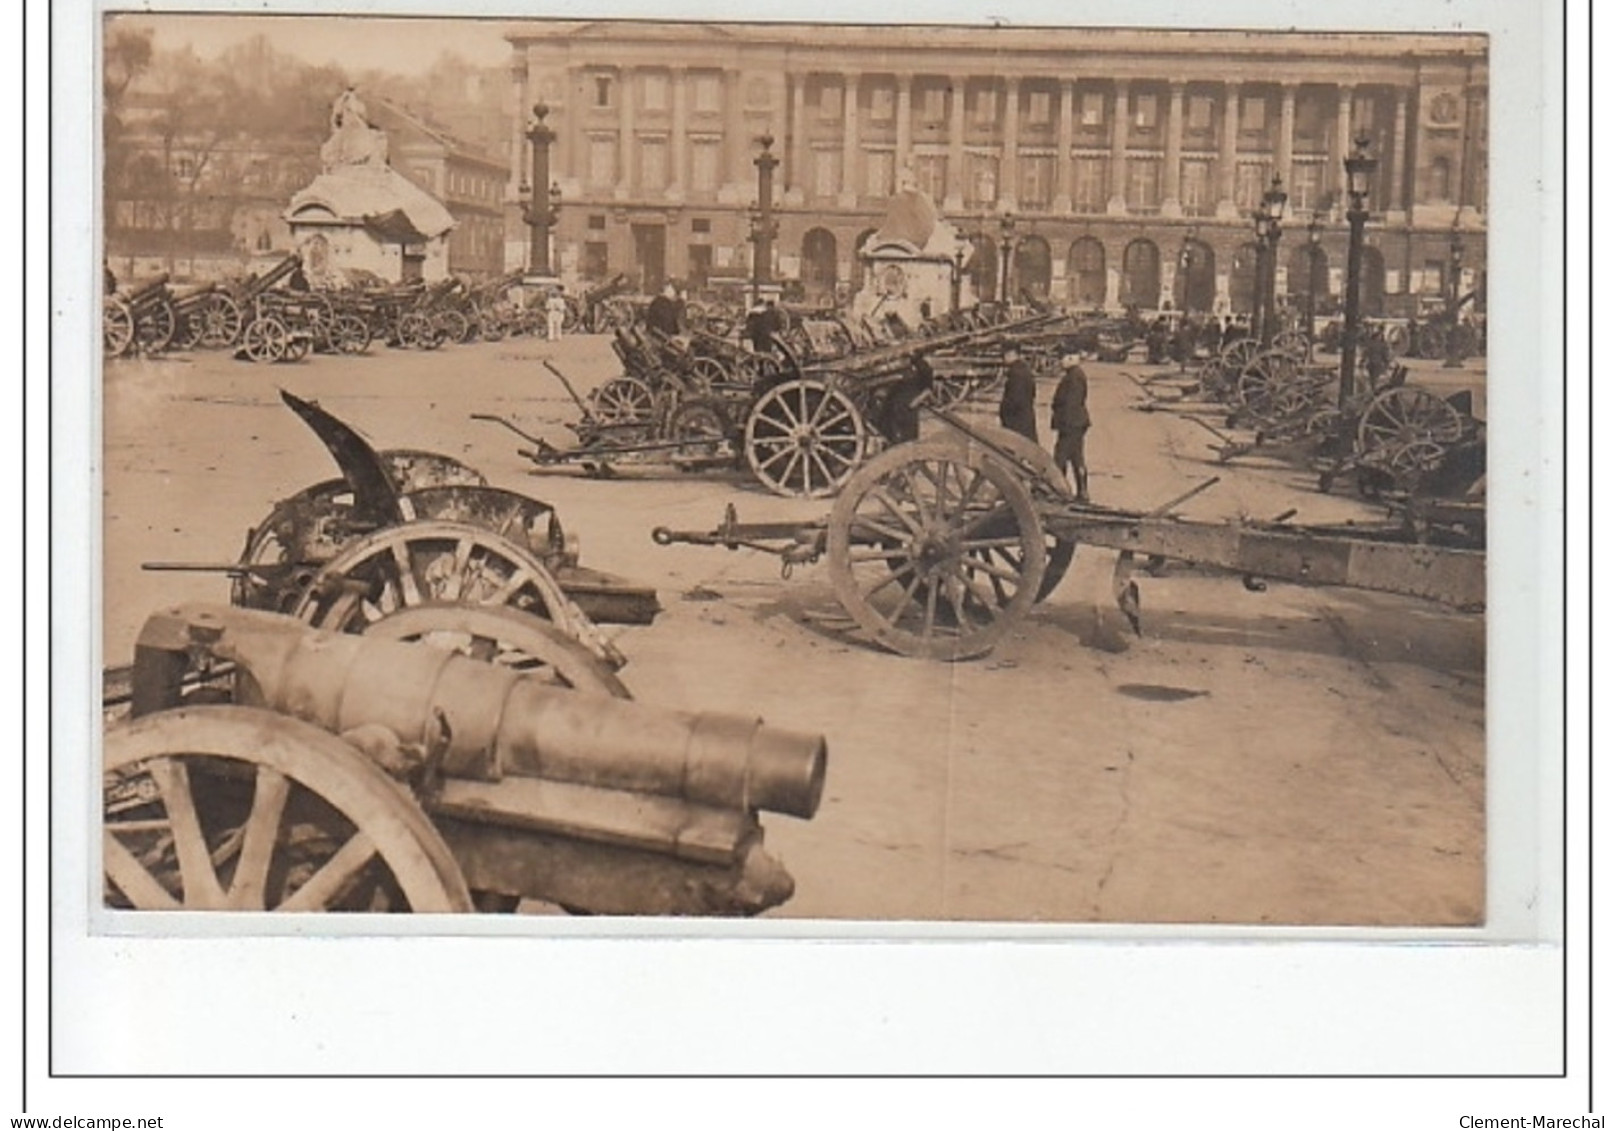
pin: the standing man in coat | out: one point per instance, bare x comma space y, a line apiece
1070, 421
1017, 409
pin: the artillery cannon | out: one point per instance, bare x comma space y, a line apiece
142, 319
330, 772
406, 530
939, 548
803, 427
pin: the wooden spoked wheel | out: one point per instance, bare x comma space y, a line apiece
156, 326
228, 808
435, 562
805, 439
1058, 551
913, 547
117, 327
350, 334
265, 339
623, 400
702, 428
219, 323
1398, 417
709, 372
504, 636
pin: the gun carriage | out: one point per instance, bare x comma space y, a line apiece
268, 765
803, 420
406, 529
939, 548
142, 320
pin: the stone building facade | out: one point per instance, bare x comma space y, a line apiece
1115, 167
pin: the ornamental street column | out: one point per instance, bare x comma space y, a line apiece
625, 136
1009, 180
954, 198
678, 140
905, 123
1118, 151
1062, 147
1228, 157
1172, 203
849, 139
1285, 165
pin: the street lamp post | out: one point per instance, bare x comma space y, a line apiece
538, 213
763, 227
1314, 250
1269, 229
1006, 244
1360, 169
958, 277
1185, 261
1455, 264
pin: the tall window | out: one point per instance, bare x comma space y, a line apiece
982, 186
1200, 113
986, 107
1039, 108
1306, 186
826, 172
931, 175
596, 260
602, 161
934, 104
882, 104
1195, 187
1143, 184
704, 166
653, 165
1440, 181
829, 101
1250, 181
1146, 111
602, 90
1093, 108
1253, 114
1037, 181
707, 100
654, 90
1091, 184
879, 165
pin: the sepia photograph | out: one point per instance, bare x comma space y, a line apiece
636, 468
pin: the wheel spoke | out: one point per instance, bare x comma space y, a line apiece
824, 470
408, 588
884, 498
333, 876
509, 589
201, 882
458, 575
866, 523
992, 570
258, 841
1005, 542
139, 885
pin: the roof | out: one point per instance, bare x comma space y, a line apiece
361, 193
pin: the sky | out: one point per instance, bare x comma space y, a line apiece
403, 46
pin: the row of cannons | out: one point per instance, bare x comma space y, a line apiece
1396, 438
279, 317
799, 408
407, 703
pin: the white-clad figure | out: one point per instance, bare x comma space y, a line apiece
555, 316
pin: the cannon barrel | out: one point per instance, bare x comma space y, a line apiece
148, 289
485, 721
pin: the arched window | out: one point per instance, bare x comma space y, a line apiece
1197, 277
818, 262
858, 263
984, 268
1085, 273
1242, 280
1033, 268
1141, 275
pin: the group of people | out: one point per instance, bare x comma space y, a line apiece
1068, 418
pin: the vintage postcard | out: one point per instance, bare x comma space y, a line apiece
717, 474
